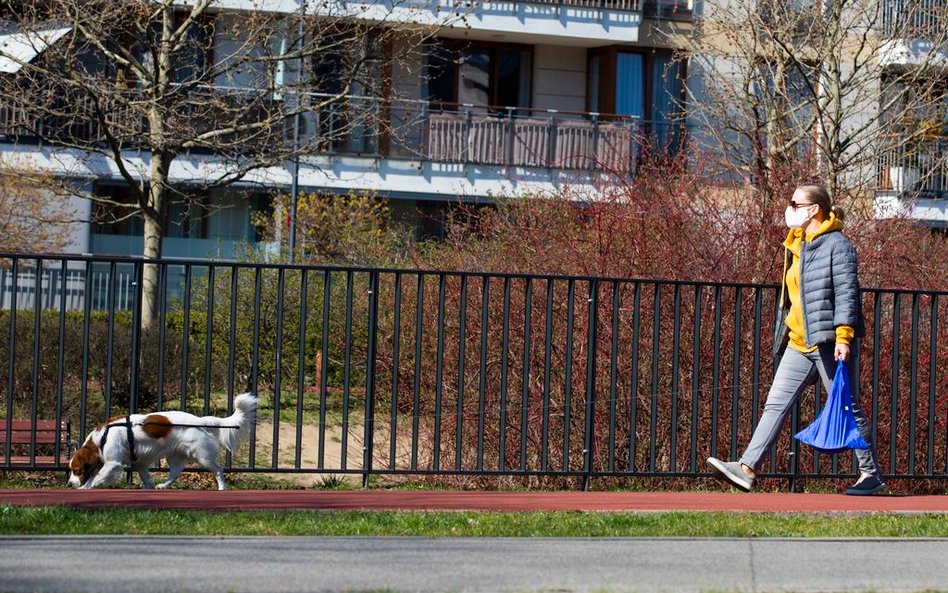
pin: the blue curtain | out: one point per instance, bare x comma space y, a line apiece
630, 82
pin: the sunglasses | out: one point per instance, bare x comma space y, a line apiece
796, 205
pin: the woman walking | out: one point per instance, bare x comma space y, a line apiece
819, 318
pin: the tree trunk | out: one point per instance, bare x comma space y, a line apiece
153, 216
153, 210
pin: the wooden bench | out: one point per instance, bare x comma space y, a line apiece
46, 434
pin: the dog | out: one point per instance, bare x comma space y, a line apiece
140, 440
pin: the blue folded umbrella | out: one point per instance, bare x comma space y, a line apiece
835, 428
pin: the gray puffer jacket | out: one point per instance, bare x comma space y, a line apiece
829, 285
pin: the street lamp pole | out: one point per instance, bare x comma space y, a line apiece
297, 122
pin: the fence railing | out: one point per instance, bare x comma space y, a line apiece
427, 372
57, 287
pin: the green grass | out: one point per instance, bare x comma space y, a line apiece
65, 521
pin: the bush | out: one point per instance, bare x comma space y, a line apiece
669, 223
106, 381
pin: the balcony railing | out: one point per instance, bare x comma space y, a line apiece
366, 126
914, 19
650, 8
915, 169
628, 5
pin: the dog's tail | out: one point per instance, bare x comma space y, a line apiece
243, 418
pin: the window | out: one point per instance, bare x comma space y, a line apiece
479, 74
240, 58
230, 214
353, 64
110, 216
196, 54
788, 87
647, 87
186, 215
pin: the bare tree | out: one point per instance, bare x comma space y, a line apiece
836, 88
34, 216
136, 84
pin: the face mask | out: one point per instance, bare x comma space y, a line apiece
795, 218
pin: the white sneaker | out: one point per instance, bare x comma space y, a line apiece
733, 473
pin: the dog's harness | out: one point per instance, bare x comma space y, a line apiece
130, 434
128, 431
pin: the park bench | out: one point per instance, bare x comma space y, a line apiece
46, 434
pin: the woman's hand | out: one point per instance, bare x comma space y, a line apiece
842, 352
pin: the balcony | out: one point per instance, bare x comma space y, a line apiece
912, 182
527, 138
918, 170
913, 19
374, 128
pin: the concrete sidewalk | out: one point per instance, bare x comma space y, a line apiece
344, 500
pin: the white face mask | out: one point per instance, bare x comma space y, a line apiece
796, 218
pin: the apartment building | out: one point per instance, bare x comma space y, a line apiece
497, 98
912, 172
854, 91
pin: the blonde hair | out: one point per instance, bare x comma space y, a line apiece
819, 195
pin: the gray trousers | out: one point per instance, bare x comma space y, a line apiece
795, 373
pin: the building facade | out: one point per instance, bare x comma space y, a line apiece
496, 98
468, 101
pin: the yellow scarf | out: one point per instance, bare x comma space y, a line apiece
794, 245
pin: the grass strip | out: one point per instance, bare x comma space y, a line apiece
68, 521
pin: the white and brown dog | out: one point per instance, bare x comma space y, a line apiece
140, 440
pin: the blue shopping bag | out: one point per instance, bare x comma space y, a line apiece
835, 428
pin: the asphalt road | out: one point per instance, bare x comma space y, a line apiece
351, 564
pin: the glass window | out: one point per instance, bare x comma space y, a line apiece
192, 60
111, 217
240, 59
440, 71
595, 79
474, 78
513, 78
186, 217
479, 74
667, 90
644, 86
230, 214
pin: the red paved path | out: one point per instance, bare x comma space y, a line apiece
339, 500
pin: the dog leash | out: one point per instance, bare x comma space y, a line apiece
178, 424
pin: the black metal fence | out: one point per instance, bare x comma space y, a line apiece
387, 371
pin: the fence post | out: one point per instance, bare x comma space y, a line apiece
11, 359
370, 379
595, 160
510, 155
592, 337
136, 337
